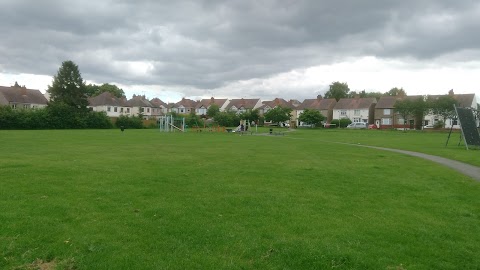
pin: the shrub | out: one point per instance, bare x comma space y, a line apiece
58, 116
344, 122
129, 122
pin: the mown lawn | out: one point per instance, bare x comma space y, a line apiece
99, 199
429, 142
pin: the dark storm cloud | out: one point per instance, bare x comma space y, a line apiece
207, 44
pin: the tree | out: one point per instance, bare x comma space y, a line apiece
444, 107
92, 90
311, 117
227, 119
250, 116
376, 95
420, 107
213, 110
278, 114
337, 91
95, 90
396, 92
193, 120
68, 86
404, 108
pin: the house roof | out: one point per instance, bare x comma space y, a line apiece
156, 102
19, 94
207, 102
278, 102
243, 102
387, 102
318, 104
106, 98
355, 103
185, 102
464, 100
139, 101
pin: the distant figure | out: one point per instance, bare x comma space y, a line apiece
242, 128
122, 128
246, 128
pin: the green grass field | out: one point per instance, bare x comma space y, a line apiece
99, 199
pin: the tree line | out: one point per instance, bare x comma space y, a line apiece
339, 90
67, 108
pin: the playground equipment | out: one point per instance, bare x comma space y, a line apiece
171, 124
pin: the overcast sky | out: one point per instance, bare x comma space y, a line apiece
256, 49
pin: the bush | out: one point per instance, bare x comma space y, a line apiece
438, 124
227, 119
129, 122
58, 116
344, 122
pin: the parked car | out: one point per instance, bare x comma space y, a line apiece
357, 125
428, 126
372, 126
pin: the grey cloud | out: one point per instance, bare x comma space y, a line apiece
210, 44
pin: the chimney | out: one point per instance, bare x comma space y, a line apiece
450, 93
319, 97
212, 100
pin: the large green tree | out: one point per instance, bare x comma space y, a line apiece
444, 107
213, 110
227, 119
404, 108
68, 86
365, 94
95, 90
311, 117
420, 106
337, 91
278, 115
396, 92
250, 116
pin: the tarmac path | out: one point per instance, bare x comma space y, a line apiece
467, 169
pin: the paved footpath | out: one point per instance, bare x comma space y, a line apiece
467, 169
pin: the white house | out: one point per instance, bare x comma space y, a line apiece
20, 97
463, 100
204, 104
356, 109
107, 102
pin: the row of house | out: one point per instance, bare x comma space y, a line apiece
369, 110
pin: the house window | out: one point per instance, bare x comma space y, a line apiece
454, 122
182, 110
26, 106
128, 110
109, 109
387, 111
14, 106
401, 121
343, 112
386, 121
148, 110
356, 112
356, 120
121, 110
142, 109
115, 109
